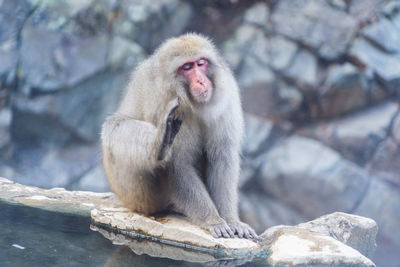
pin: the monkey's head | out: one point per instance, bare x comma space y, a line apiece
191, 61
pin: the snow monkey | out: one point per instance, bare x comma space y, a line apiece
174, 142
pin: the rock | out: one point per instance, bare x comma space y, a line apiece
365, 10
355, 231
396, 128
176, 231
149, 24
381, 203
72, 51
74, 114
234, 48
356, 136
343, 91
298, 165
385, 65
254, 72
174, 237
62, 167
280, 52
384, 163
5, 121
94, 180
257, 14
56, 199
262, 211
12, 17
304, 67
260, 135
384, 34
309, 23
293, 246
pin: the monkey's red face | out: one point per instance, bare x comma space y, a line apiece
196, 74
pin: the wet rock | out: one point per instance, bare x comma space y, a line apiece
56, 199
176, 230
355, 231
357, 136
298, 165
293, 246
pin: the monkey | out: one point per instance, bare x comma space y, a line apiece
174, 142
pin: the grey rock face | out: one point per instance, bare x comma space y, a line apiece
326, 70
315, 168
357, 136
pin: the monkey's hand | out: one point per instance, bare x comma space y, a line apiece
220, 230
243, 230
172, 125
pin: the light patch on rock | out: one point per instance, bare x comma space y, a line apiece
40, 198
293, 246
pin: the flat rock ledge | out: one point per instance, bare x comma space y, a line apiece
336, 239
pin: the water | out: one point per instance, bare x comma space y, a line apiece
43, 238
54, 239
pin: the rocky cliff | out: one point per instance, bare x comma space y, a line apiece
320, 84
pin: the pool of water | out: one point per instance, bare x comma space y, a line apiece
34, 237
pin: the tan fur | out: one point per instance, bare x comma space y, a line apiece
209, 138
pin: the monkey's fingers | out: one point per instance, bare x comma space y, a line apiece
176, 125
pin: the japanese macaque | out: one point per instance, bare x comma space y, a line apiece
174, 142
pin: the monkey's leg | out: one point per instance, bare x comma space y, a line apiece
222, 180
130, 150
190, 197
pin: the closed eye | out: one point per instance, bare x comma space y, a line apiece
187, 66
201, 62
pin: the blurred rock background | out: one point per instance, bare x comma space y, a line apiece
320, 83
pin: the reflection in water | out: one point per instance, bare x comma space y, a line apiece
54, 239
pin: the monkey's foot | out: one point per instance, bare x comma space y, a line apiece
172, 126
243, 230
221, 230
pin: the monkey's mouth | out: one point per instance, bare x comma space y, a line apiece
201, 95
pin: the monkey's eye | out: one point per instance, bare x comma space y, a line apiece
187, 66
201, 62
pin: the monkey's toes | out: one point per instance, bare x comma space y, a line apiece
243, 230
221, 230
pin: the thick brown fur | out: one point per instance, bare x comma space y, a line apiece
198, 176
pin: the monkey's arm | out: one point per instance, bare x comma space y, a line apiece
140, 142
